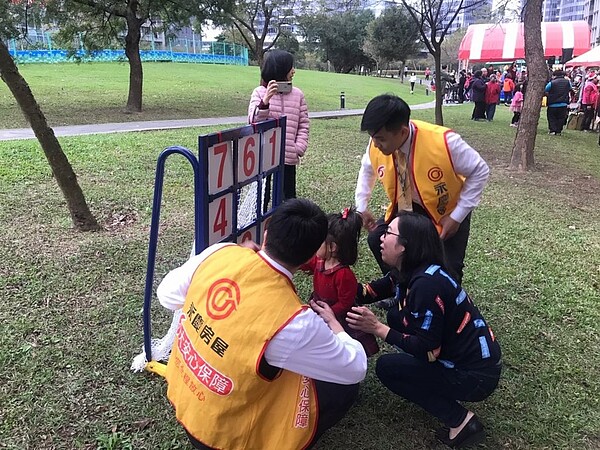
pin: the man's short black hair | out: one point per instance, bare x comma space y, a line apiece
295, 231
386, 110
277, 65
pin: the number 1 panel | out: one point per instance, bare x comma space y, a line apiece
271, 148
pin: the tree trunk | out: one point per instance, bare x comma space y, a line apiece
132, 51
82, 218
259, 52
537, 71
439, 89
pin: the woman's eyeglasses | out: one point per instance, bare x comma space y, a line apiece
387, 231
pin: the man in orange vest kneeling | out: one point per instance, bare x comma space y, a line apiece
251, 366
424, 168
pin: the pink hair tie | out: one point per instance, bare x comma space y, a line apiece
345, 213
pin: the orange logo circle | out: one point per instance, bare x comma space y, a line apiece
435, 174
222, 299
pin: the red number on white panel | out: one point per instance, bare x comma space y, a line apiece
221, 150
220, 219
272, 147
220, 223
248, 235
249, 160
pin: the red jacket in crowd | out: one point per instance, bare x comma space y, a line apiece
492, 92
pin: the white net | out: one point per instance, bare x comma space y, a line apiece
247, 203
246, 214
160, 348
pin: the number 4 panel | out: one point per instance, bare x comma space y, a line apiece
220, 213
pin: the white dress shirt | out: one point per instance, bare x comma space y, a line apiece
306, 345
465, 160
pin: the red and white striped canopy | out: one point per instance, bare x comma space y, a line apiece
504, 42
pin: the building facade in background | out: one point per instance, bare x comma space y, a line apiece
468, 16
571, 10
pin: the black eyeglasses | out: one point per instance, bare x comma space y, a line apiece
387, 231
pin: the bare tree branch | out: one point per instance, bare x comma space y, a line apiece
97, 6
244, 37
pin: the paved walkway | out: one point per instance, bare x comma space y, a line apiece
103, 128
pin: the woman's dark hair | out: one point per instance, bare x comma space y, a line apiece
478, 74
276, 66
421, 241
295, 231
344, 231
387, 110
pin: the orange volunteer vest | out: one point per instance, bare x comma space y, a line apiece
432, 172
235, 304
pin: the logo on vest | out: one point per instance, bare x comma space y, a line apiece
222, 298
381, 171
435, 174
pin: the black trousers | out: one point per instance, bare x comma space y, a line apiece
435, 388
289, 182
455, 248
334, 401
557, 116
588, 116
478, 111
516, 117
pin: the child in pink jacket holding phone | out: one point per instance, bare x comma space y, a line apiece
275, 97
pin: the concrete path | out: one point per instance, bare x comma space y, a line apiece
103, 128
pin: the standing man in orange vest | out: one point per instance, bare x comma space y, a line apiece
251, 366
425, 168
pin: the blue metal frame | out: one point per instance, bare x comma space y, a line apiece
154, 227
202, 198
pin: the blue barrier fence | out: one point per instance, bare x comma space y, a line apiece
61, 56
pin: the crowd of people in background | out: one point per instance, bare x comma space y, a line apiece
584, 97
489, 87
571, 96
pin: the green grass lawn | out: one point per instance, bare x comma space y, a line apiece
72, 94
70, 319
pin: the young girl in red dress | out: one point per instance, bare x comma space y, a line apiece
333, 280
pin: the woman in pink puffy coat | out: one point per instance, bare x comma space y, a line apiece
268, 102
